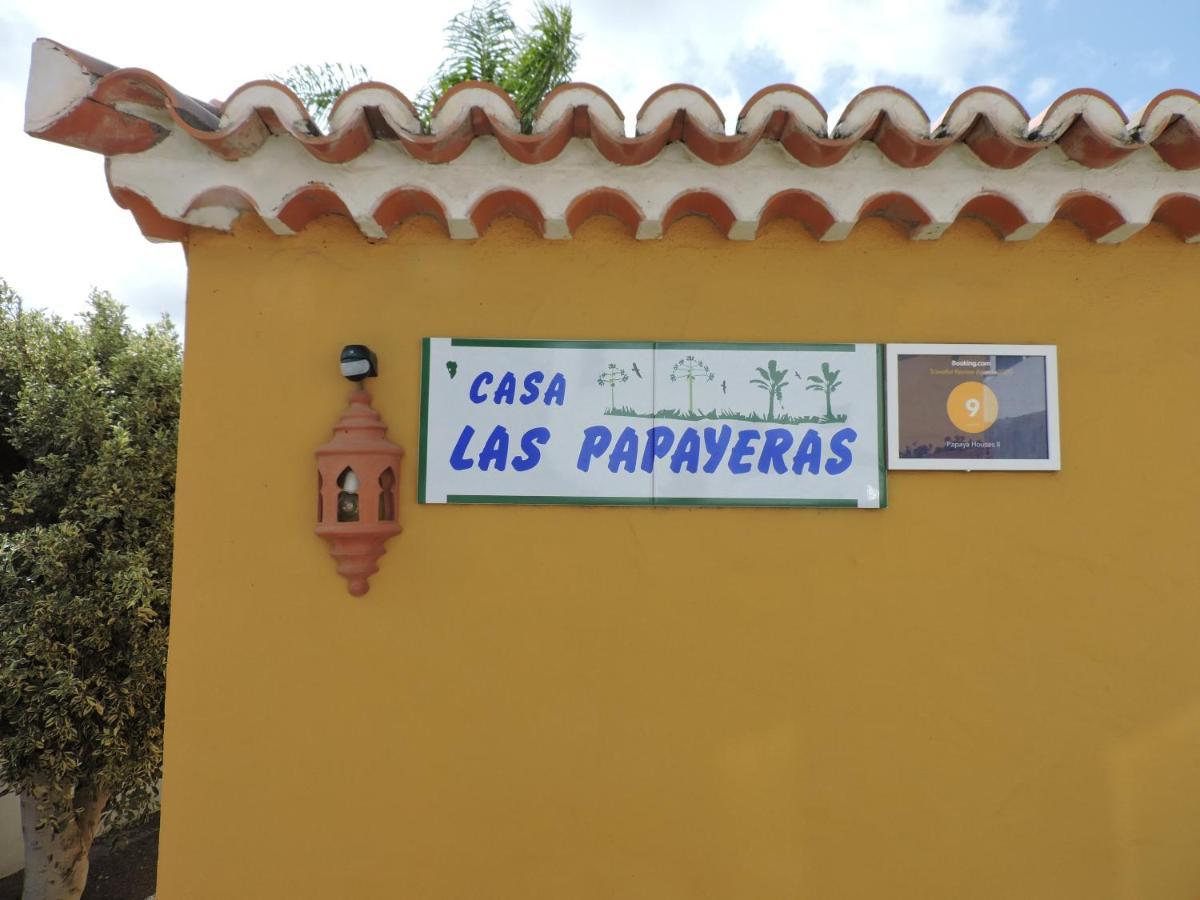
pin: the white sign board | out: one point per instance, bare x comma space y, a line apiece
642, 423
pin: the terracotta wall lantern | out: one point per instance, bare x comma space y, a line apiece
358, 474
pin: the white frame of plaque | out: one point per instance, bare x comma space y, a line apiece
1051, 463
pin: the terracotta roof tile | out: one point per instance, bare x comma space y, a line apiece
1081, 158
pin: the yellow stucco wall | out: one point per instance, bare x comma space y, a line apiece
990, 689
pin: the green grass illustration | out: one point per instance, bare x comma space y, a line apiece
729, 414
689, 369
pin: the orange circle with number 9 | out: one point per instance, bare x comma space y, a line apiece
972, 407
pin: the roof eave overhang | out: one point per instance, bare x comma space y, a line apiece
179, 163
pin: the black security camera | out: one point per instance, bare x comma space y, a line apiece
358, 362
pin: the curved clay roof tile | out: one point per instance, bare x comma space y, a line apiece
177, 162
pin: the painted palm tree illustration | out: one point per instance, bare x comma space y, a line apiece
772, 382
827, 382
690, 369
612, 376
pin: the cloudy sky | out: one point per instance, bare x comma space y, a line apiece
62, 234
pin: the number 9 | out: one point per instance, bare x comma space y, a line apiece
972, 406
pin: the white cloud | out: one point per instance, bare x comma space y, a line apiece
16, 32
63, 233
233, 42
831, 49
1040, 90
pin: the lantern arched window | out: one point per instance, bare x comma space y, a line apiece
387, 495
347, 499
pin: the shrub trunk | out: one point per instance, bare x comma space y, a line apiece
56, 862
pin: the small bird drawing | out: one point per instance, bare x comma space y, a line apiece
637, 371
722, 387
452, 368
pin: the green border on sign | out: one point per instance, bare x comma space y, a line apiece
569, 345
553, 500
423, 462
548, 500
749, 345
